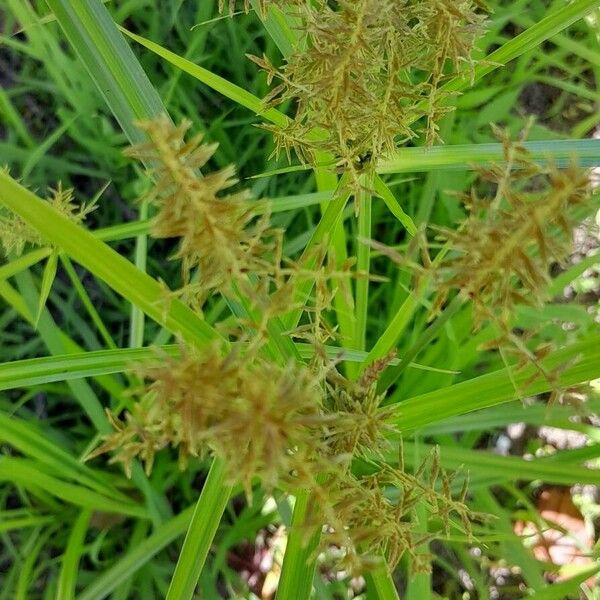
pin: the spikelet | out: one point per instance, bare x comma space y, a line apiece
365, 71
258, 417
361, 424
369, 518
221, 234
503, 250
15, 234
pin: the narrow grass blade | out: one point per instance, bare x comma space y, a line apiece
25, 579
87, 302
579, 363
130, 563
566, 589
203, 526
381, 585
510, 468
47, 281
326, 225
36, 443
384, 192
219, 84
26, 473
277, 26
421, 159
67, 579
299, 566
392, 374
104, 262
531, 38
23, 262
109, 61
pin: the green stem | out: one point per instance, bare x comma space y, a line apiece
381, 585
393, 373
201, 531
299, 564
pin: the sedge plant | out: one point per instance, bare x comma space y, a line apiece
300, 345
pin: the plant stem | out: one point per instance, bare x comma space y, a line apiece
201, 531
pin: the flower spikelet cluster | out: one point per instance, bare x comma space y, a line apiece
366, 71
15, 234
370, 518
222, 234
260, 418
503, 250
280, 427
361, 425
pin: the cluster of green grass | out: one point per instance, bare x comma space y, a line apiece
88, 301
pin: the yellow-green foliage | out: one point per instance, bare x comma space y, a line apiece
15, 234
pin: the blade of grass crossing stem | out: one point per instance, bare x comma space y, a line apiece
419, 583
47, 281
219, 84
298, 570
384, 192
326, 180
466, 156
67, 579
327, 224
579, 363
110, 62
276, 24
392, 374
49, 332
363, 266
201, 531
105, 263
67, 345
23, 262
26, 578
140, 531
87, 302
396, 327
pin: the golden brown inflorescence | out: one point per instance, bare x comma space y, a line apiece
258, 417
222, 234
279, 427
503, 251
366, 71
287, 425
